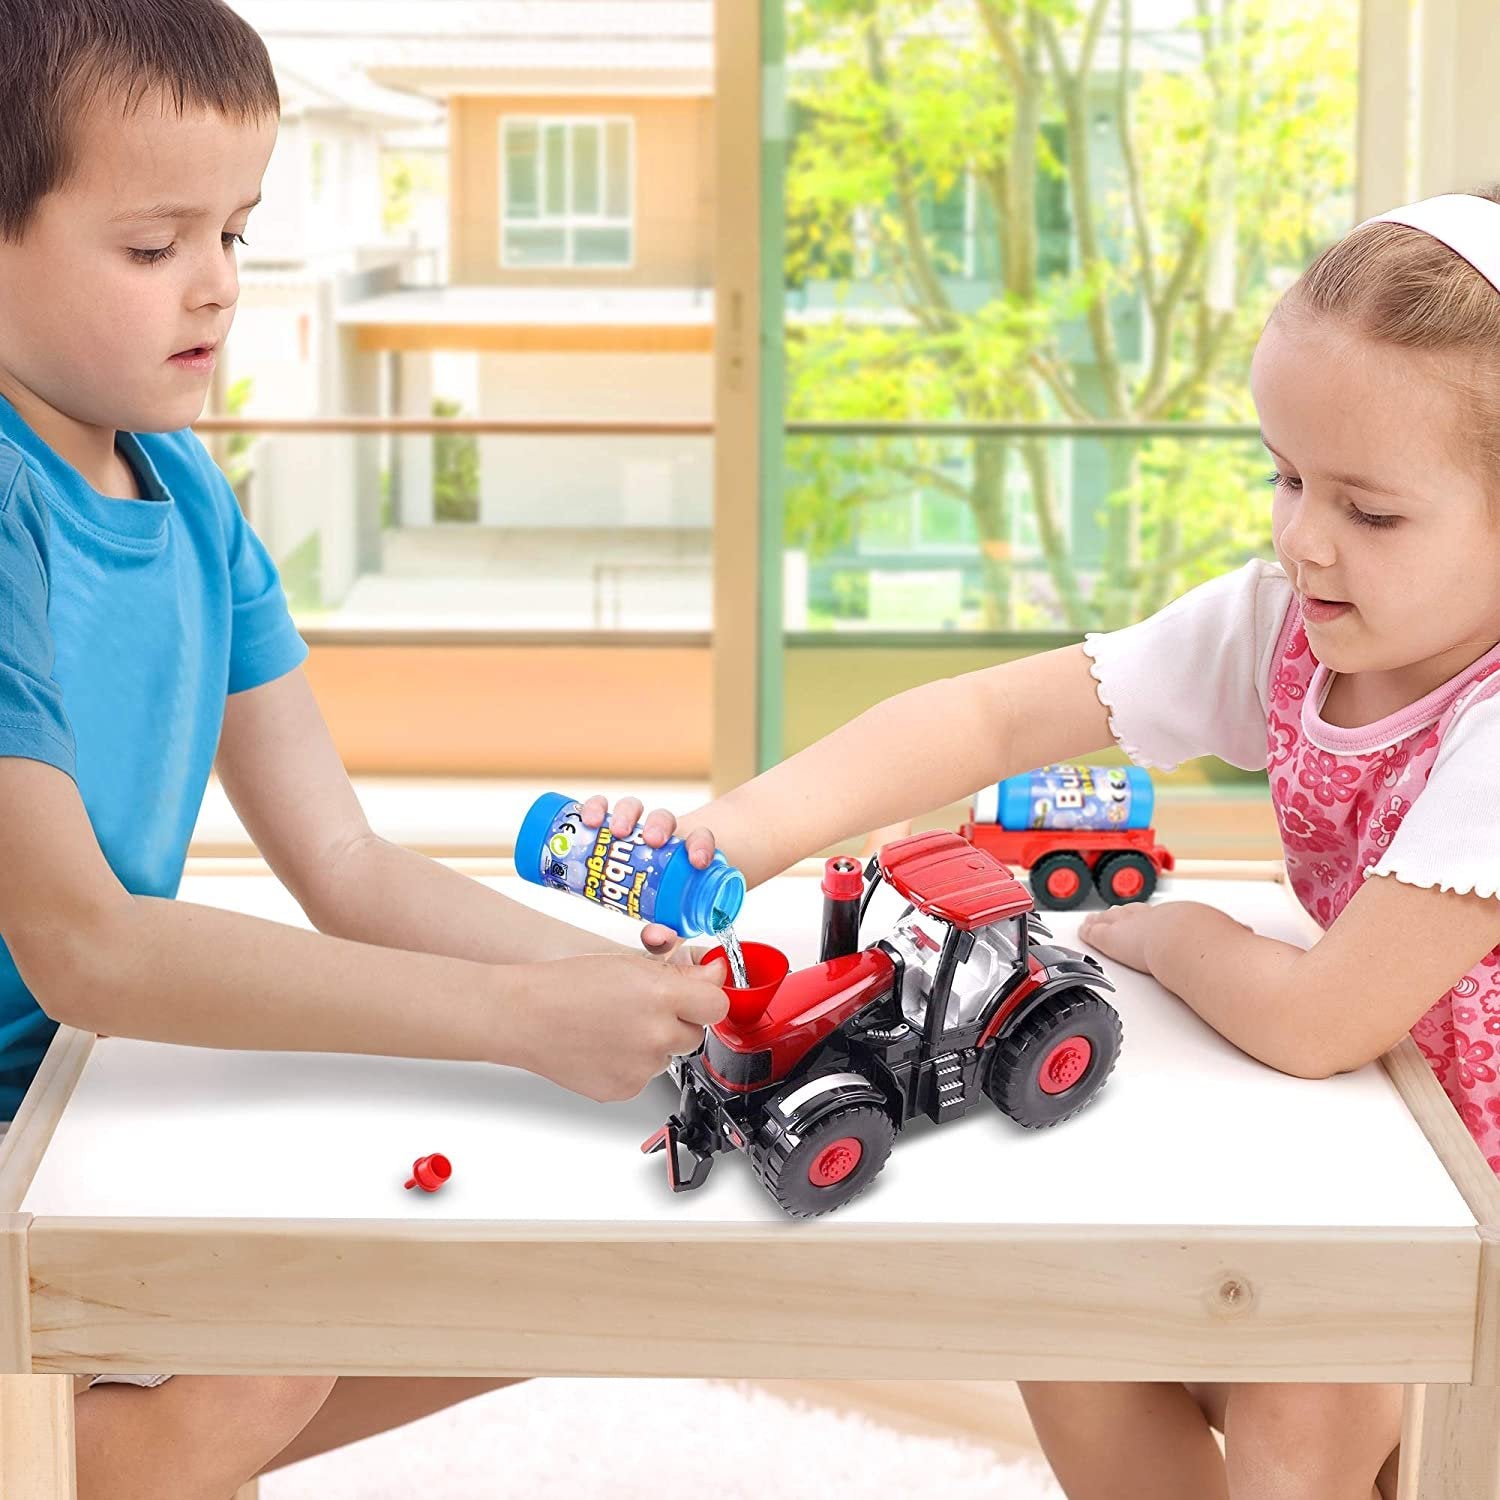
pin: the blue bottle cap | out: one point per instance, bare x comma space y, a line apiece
715, 896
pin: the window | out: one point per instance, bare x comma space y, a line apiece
568, 188
978, 237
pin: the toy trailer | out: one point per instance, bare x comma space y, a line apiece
1122, 865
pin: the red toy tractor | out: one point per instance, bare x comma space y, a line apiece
960, 1001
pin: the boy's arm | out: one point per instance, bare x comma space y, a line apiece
283, 776
99, 958
923, 748
95, 956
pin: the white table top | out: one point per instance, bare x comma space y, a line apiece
1188, 1131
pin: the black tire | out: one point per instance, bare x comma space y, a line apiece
1129, 869
791, 1179
1035, 1046
1063, 870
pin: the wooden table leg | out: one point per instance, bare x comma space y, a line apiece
36, 1438
1450, 1449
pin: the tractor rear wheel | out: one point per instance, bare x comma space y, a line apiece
1055, 1059
834, 1161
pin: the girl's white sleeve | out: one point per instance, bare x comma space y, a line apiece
1450, 837
1193, 679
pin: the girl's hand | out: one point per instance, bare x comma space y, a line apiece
1125, 933
1119, 933
658, 940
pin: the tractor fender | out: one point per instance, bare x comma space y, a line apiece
1071, 979
1062, 964
799, 1110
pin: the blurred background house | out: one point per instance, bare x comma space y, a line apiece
512, 208
742, 364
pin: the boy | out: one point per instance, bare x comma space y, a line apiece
144, 636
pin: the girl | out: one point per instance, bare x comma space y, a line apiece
1362, 670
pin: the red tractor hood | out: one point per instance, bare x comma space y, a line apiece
808, 1006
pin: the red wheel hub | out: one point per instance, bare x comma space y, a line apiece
1062, 883
1066, 1063
1128, 882
835, 1161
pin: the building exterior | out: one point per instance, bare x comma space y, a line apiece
572, 279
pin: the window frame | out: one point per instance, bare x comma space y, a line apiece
569, 222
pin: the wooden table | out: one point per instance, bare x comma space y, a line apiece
192, 1210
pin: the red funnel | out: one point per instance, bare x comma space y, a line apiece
765, 967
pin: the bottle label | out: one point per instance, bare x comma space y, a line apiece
1080, 797
622, 874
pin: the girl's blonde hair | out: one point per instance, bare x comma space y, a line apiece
1398, 285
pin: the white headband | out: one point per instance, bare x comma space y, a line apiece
1467, 225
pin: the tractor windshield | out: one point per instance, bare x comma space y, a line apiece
919, 942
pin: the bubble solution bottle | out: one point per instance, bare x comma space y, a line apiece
555, 848
1095, 798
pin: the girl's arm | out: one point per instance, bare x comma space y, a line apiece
923, 748
1393, 951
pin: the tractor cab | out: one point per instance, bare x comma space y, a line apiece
964, 934
993, 956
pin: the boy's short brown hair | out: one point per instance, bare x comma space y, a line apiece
58, 57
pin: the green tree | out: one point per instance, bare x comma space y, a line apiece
455, 469
405, 175
1187, 194
238, 450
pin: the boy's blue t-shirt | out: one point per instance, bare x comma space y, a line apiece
124, 624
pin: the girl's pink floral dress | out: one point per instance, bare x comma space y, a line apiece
1227, 670
1339, 810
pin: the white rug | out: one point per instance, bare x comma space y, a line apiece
642, 1439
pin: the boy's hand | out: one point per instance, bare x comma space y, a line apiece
660, 825
605, 1025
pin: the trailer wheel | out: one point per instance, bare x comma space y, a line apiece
1060, 881
1123, 878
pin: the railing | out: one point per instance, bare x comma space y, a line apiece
458, 426
472, 528
1006, 529
961, 429
628, 500
562, 427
